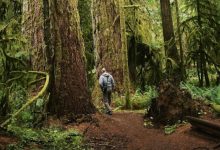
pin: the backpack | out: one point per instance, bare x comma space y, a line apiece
107, 84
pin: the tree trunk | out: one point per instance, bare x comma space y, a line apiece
110, 43
132, 52
202, 59
71, 88
125, 54
56, 31
84, 7
169, 38
183, 71
34, 31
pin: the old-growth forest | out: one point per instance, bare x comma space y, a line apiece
164, 56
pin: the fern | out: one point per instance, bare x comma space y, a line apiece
212, 94
142, 100
139, 100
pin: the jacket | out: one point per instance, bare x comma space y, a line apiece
103, 79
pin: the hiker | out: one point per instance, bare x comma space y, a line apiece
107, 85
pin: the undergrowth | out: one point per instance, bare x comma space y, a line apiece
140, 99
46, 138
212, 94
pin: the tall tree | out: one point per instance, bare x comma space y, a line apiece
124, 49
70, 78
84, 8
180, 40
64, 50
110, 41
169, 37
107, 38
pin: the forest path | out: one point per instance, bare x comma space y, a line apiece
125, 130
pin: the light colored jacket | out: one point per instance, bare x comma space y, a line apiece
103, 79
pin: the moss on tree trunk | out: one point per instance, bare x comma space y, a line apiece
170, 45
110, 42
56, 36
34, 30
71, 88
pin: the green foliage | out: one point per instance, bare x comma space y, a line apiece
192, 77
212, 94
11, 57
216, 95
18, 89
48, 138
140, 99
201, 28
169, 129
11, 40
143, 24
17, 96
15, 82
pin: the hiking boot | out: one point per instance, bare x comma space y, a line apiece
109, 113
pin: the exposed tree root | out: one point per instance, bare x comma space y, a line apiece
173, 104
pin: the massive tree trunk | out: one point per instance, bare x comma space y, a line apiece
107, 38
169, 38
70, 78
110, 43
59, 36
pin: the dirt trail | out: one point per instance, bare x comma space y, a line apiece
6, 140
126, 131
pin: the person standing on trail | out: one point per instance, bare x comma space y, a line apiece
107, 84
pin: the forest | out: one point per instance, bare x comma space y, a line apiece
110, 74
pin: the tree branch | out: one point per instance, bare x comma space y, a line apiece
41, 93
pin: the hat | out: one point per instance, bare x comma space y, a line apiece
103, 70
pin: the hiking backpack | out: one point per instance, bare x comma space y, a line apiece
108, 84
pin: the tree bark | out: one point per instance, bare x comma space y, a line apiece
109, 41
183, 71
169, 37
125, 54
71, 85
34, 31
59, 49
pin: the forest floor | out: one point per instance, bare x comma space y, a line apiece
6, 140
125, 130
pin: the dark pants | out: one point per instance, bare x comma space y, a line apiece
107, 100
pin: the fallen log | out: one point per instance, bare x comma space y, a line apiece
205, 126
